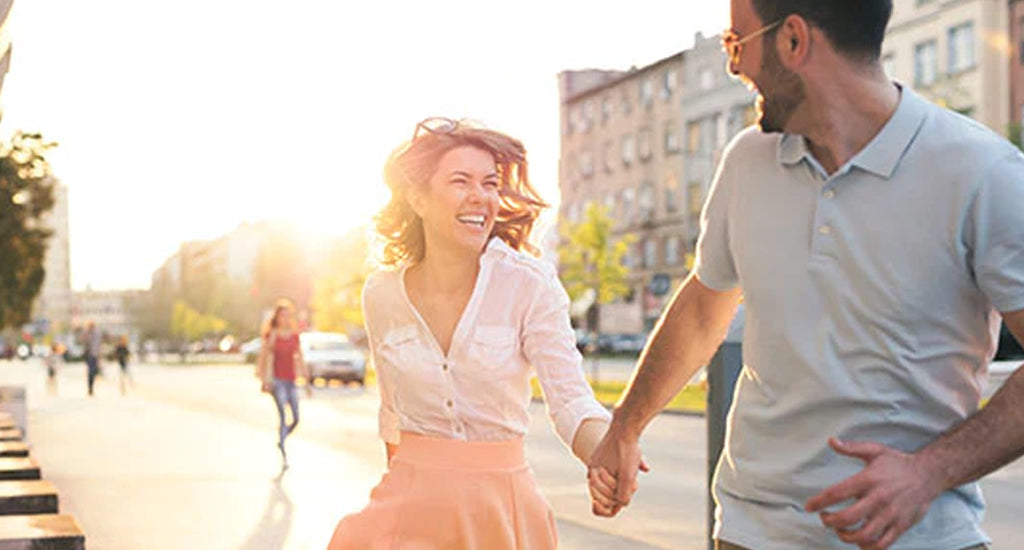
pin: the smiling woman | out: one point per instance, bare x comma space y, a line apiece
456, 331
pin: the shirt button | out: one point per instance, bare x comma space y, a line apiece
449, 403
829, 194
825, 230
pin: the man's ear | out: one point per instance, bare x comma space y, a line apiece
794, 41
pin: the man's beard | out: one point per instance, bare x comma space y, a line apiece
776, 107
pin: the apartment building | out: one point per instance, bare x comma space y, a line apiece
5, 41
954, 52
645, 143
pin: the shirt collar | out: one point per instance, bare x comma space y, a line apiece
883, 153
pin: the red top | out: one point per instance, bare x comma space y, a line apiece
284, 351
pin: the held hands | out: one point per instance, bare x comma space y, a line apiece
891, 494
611, 473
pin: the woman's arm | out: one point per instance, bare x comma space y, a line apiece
549, 344
588, 435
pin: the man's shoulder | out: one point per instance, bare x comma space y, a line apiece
946, 130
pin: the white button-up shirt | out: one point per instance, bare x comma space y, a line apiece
515, 323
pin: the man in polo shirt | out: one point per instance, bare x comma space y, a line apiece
875, 239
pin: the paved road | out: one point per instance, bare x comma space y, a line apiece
187, 460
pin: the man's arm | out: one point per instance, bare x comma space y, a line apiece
894, 490
684, 339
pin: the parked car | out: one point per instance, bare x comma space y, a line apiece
331, 356
621, 343
251, 349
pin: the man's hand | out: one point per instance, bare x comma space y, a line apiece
611, 473
891, 494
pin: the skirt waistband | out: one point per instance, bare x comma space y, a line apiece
455, 453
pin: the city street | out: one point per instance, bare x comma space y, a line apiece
187, 459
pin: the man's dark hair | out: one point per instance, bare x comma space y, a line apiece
856, 28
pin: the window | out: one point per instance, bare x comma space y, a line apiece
606, 157
647, 91
696, 199
628, 149
645, 205
672, 256
606, 108
587, 115
669, 80
670, 200
961, 48
693, 136
671, 138
706, 78
925, 63
587, 164
626, 206
644, 144
626, 106
671, 185
650, 253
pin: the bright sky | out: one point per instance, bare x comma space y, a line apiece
179, 120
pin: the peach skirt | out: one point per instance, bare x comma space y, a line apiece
450, 494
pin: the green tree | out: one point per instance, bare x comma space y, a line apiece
1016, 134
26, 195
189, 324
590, 257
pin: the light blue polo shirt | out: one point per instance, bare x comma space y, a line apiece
871, 311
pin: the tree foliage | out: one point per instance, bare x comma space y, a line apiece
591, 258
189, 324
26, 196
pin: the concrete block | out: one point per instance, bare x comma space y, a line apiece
13, 468
13, 448
12, 401
13, 434
19, 498
41, 532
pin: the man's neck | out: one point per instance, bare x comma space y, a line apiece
845, 114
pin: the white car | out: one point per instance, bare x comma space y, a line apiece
998, 372
330, 356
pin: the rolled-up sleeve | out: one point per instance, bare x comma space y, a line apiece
550, 346
387, 418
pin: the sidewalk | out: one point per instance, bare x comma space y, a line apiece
171, 466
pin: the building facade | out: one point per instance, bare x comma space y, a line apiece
109, 309
51, 312
627, 145
5, 41
1016, 33
953, 52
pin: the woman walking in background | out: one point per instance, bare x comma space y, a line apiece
279, 362
456, 328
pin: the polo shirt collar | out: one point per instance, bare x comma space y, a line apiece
883, 153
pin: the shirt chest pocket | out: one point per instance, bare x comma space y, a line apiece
494, 346
400, 347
